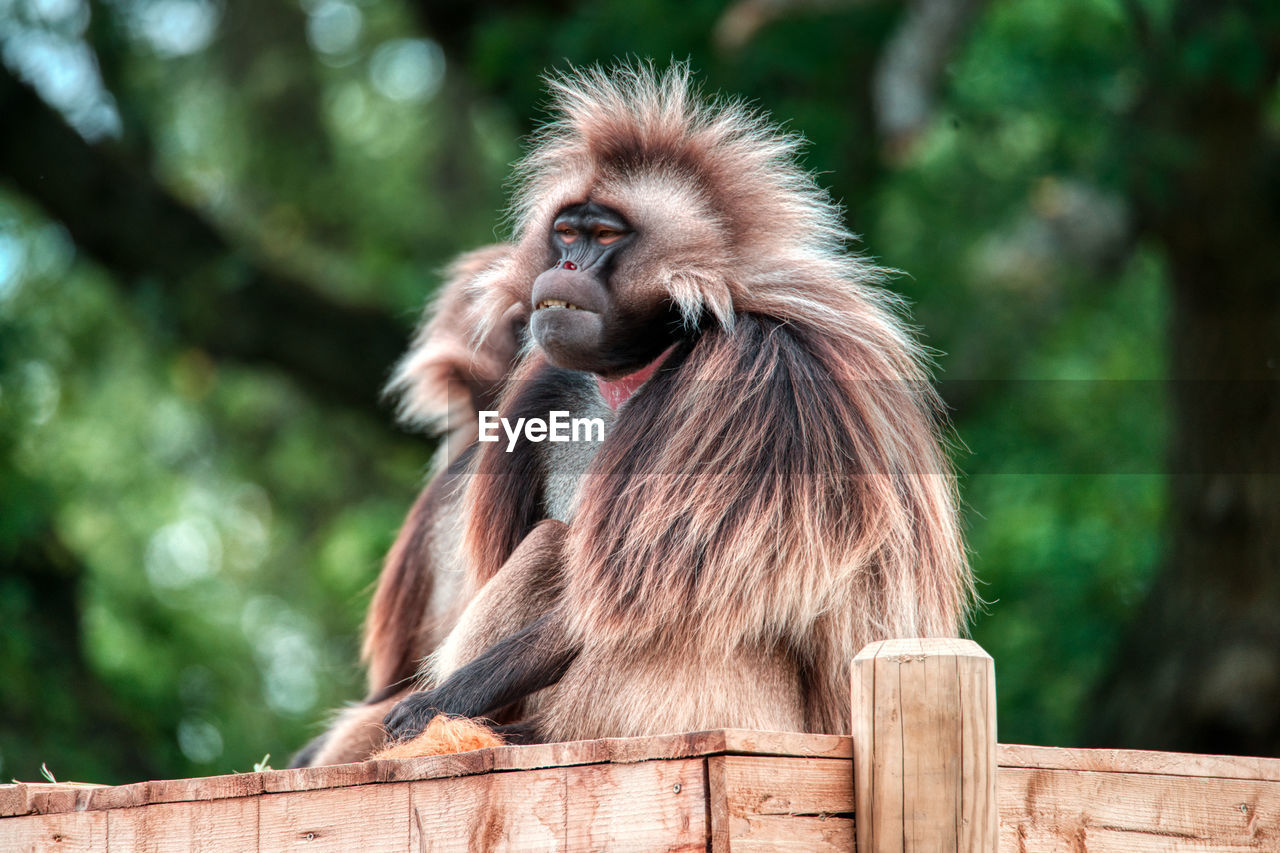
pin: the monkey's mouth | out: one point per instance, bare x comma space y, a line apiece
558, 303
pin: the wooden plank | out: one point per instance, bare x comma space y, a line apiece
1140, 761
979, 821
571, 753
20, 799
358, 819
211, 826
501, 811
568, 754
389, 770
13, 800
886, 808
206, 788
77, 832
1104, 801
718, 818
863, 696
802, 834
786, 786
799, 744
672, 746
41, 798
120, 796
654, 806
1068, 811
924, 747
29, 798
657, 805
767, 803
930, 695
54, 798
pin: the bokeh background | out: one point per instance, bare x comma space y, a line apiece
219, 220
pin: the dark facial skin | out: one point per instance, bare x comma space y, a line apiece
581, 320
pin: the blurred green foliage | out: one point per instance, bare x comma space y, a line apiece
224, 528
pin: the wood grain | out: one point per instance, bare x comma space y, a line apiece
212, 826
979, 806
760, 803
863, 696
924, 747
1140, 761
1068, 811
653, 806
77, 832
363, 819
40, 798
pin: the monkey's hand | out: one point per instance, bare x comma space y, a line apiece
534, 657
411, 715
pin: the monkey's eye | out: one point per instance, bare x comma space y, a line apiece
605, 236
566, 233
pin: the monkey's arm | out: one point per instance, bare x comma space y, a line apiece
509, 643
534, 657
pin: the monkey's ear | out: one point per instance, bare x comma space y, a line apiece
448, 373
444, 736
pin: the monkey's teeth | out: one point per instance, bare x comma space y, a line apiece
557, 303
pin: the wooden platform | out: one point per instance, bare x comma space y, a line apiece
929, 777
728, 789
722, 791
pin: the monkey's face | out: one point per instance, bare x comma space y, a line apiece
586, 314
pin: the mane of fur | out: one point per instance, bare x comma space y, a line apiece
407, 617
441, 382
434, 379
789, 468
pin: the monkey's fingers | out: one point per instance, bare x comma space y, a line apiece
409, 717
444, 736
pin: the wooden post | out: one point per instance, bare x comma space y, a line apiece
924, 747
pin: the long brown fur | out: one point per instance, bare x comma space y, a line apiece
778, 495
404, 622
444, 379
442, 382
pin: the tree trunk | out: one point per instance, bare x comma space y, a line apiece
1200, 668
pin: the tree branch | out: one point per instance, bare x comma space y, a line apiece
1199, 669
910, 68
219, 299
